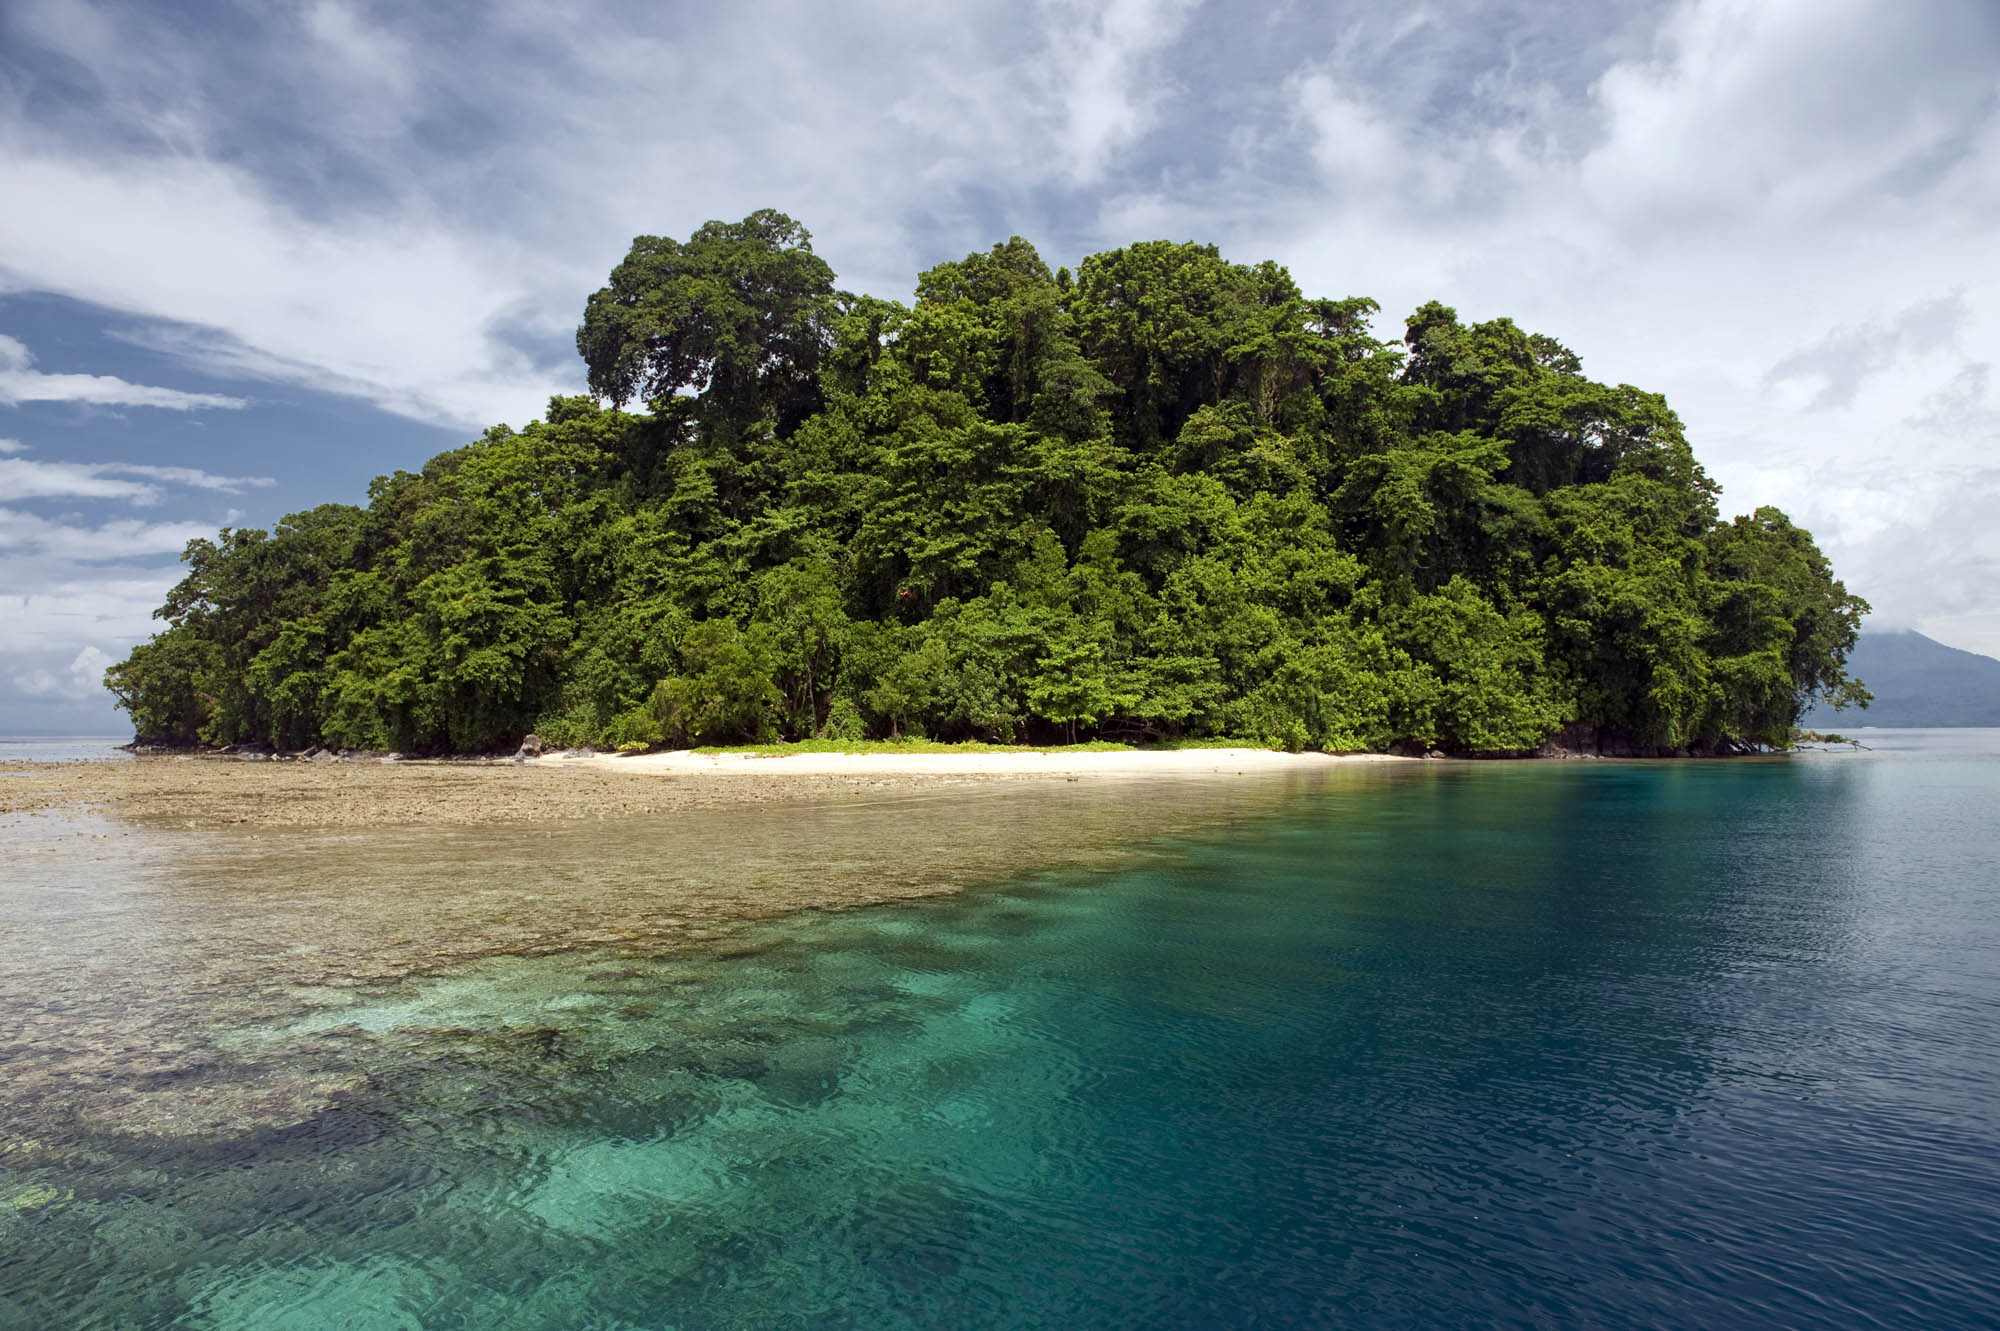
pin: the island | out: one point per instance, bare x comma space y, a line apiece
1164, 497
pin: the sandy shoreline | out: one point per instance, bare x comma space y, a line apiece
220, 792
1133, 762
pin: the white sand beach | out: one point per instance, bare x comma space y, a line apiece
970, 762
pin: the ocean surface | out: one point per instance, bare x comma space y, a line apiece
1669, 1044
63, 748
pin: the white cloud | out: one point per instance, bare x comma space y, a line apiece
371, 60
417, 287
123, 538
21, 479
1098, 64
1918, 543
71, 606
1779, 213
1354, 144
76, 597
395, 308
1836, 367
190, 476
32, 478
1776, 111
20, 382
83, 678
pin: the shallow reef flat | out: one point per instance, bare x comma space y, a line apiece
227, 792
1398, 1044
222, 792
180, 957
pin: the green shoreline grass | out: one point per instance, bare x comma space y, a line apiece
861, 746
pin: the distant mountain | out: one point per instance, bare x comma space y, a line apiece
1917, 682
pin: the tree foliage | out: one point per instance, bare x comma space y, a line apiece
1167, 496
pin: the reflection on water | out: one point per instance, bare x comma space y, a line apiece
1596, 1044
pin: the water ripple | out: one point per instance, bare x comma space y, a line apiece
1618, 1045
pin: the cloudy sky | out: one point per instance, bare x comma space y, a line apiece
252, 256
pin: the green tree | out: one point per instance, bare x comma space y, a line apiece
1074, 682
724, 692
741, 313
1781, 627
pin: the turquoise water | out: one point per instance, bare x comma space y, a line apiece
1666, 1044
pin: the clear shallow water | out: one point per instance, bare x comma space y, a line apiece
63, 749
1525, 1044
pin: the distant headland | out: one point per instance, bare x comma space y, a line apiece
1918, 681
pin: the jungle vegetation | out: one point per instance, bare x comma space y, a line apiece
1164, 495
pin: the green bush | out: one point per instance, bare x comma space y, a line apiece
638, 728
844, 721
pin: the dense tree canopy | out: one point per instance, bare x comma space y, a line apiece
1167, 495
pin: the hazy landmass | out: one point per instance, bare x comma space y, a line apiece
1919, 682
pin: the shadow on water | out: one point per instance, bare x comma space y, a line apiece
1607, 1044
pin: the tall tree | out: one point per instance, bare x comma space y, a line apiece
741, 313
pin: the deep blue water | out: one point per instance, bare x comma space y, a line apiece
1591, 1044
